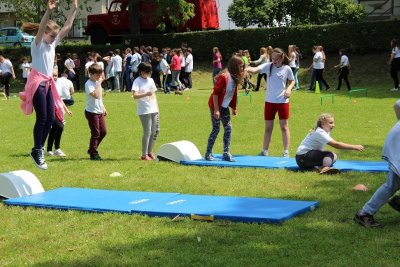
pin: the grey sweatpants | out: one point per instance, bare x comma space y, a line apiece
151, 127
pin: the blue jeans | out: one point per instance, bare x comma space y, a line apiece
382, 195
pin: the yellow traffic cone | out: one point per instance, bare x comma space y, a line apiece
317, 90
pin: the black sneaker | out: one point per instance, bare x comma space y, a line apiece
228, 157
366, 220
95, 157
38, 158
395, 203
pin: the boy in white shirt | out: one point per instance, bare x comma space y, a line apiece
95, 111
65, 88
26, 69
6, 72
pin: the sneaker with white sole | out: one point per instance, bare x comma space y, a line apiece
38, 158
394, 89
59, 153
264, 153
228, 157
286, 154
50, 153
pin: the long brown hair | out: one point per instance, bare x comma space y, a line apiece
32, 28
234, 70
282, 55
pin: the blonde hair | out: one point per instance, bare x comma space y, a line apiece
32, 28
322, 118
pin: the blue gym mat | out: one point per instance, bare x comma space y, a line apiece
288, 163
241, 209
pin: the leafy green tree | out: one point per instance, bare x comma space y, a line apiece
33, 10
169, 13
266, 13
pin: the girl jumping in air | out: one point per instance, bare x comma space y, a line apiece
40, 90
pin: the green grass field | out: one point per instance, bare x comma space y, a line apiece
325, 237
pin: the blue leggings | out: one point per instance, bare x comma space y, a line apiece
44, 108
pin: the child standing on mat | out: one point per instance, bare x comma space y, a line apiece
390, 153
280, 82
223, 96
144, 91
95, 112
40, 90
310, 152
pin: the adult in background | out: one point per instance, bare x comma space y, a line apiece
188, 68
395, 64
217, 63
77, 69
117, 62
344, 69
7, 72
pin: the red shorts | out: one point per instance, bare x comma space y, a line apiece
270, 109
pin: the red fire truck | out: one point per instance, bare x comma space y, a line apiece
110, 27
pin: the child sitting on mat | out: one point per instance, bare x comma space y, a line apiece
390, 153
310, 152
144, 91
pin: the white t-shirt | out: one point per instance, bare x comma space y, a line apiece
292, 63
396, 52
117, 62
63, 86
276, 82
88, 64
43, 56
318, 61
93, 105
26, 69
229, 92
135, 61
147, 104
316, 140
183, 63
101, 64
164, 67
189, 63
344, 61
6, 66
69, 63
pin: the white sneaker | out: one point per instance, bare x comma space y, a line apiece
50, 153
59, 153
264, 153
286, 154
394, 89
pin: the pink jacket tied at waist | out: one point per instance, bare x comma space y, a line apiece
34, 80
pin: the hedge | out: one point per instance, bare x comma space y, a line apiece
359, 38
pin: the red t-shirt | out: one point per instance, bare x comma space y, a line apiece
175, 63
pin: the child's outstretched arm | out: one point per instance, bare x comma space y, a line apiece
70, 20
253, 70
340, 145
51, 5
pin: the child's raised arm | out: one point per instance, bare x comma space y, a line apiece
340, 145
51, 5
70, 20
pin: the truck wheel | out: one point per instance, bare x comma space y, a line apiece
98, 36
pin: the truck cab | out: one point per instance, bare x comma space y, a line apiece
111, 26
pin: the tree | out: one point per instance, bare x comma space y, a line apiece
169, 13
33, 10
267, 13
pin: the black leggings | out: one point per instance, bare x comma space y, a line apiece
320, 79
344, 75
316, 158
55, 135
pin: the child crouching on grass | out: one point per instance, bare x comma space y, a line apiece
144, 91
95, 110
